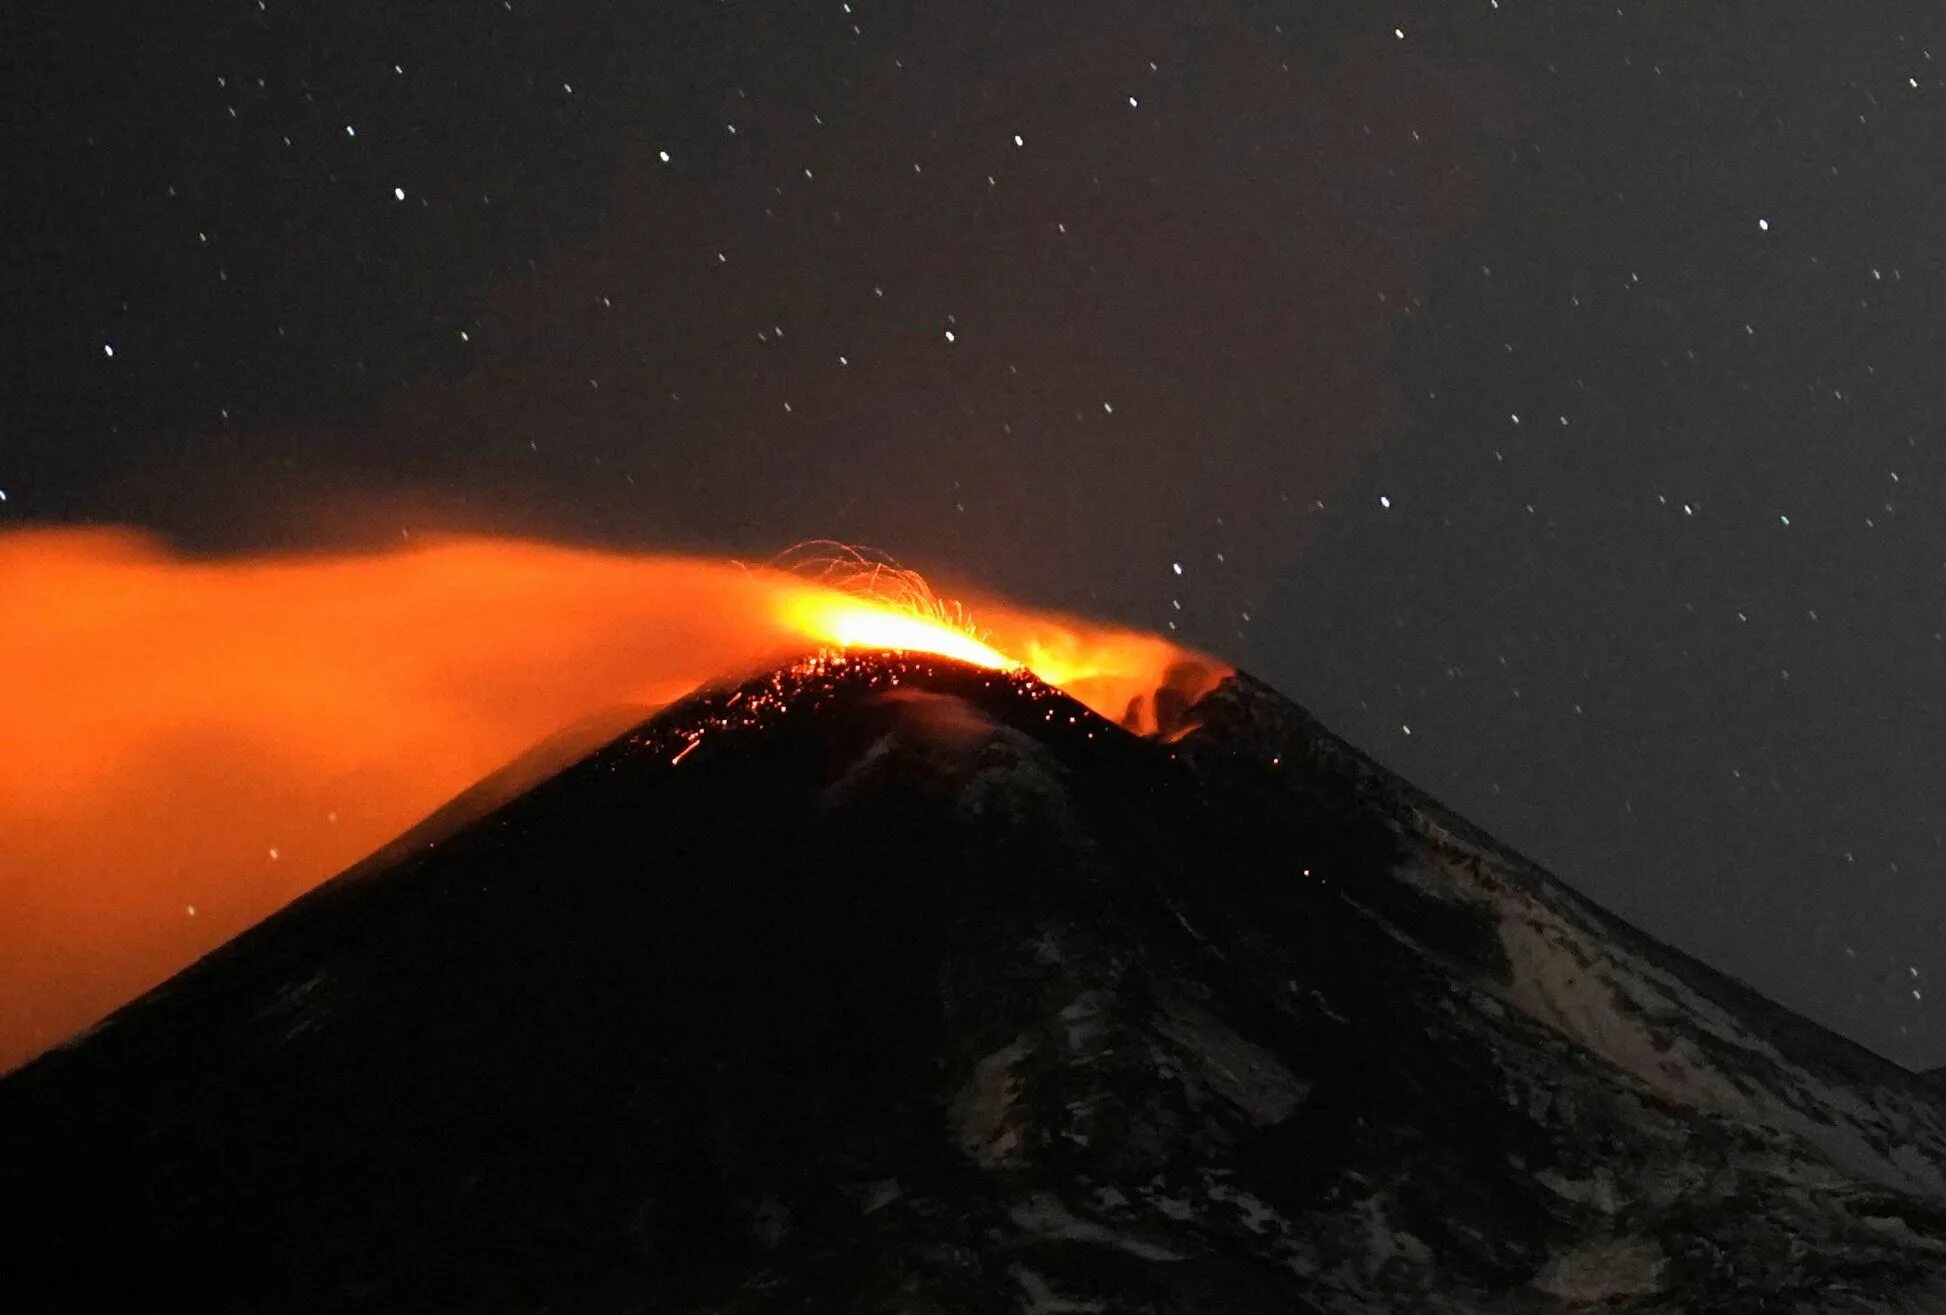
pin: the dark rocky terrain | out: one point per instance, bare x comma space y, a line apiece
888, 984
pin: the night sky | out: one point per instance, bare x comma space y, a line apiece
1547, 395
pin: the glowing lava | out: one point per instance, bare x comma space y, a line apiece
872, 603
848, 623
190, 743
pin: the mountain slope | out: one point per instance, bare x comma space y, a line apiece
885, 983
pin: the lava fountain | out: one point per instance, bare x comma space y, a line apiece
190, 743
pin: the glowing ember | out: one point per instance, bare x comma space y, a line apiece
854, 624
191, 743
873, 603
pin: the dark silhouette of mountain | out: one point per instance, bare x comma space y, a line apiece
884, 983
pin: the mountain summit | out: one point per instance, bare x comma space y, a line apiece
885, 983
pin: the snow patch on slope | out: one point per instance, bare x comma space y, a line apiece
1567, 974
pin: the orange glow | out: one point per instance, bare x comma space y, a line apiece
1119, 673
861, 623
186, 744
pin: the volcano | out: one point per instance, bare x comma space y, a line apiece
881, 982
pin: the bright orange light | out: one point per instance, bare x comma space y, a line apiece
854, 623
874, 603
186, 744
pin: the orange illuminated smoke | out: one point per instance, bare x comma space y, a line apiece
861, 623
187, 744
